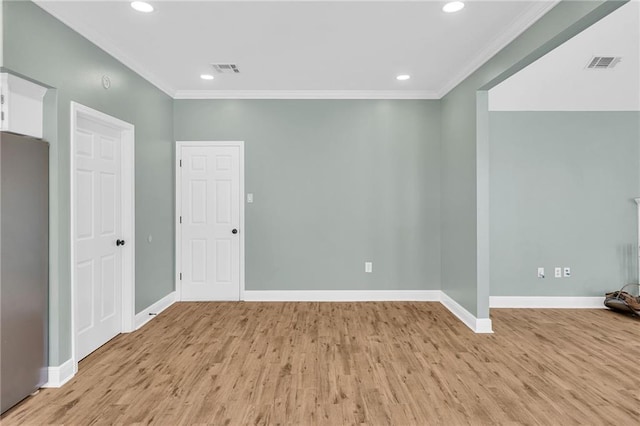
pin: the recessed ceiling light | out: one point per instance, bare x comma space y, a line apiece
142, 6
403, 77
206, 77
453, 6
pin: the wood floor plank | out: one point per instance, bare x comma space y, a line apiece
387, 363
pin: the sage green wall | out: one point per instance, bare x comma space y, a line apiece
42, 48
465, 218
373, 171
562, 190
335, 183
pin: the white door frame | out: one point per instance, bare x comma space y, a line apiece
178, 200
127, 181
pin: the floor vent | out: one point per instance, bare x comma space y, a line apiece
603, 62
226, 68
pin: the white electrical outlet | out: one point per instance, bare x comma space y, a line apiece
558, 272
368, 267
540, 272
249, 198
567, 272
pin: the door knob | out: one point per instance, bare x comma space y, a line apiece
119, 242
234, 231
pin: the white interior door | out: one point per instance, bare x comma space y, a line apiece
210, 222
97, 233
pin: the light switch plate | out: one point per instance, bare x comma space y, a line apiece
567, 272
368, 267
249, 198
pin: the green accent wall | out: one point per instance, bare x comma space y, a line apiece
335, 183
42, 48
465, 150
562, 190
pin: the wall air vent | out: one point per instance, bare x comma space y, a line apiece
603, 62
226, 68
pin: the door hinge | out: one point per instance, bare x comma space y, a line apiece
2, 99
180, 276
180, 219
2, 116
180, 163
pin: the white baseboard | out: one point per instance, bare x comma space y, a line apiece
547, 302
342, 296
144, 317
60, 375
477, 325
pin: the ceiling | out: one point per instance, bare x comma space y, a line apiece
302, 49
560, 80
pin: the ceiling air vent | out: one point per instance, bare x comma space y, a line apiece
226, 68
603, 62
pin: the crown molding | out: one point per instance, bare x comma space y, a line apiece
110, 49
305, 94
519, 25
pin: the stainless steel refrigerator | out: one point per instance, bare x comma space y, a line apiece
24, 266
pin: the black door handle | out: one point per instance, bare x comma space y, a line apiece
119, 242
234, 231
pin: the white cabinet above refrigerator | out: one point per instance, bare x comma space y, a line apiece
21, 105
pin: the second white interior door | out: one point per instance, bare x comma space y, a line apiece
210, 222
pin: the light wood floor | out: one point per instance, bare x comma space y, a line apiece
354, 363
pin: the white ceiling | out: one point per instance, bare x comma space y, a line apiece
559, 81
302, 48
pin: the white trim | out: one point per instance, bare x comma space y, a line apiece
243, 229
519, 25
145, 315
547, 302
477, 325
128, 216
306, 94
483, 326
178, 197
341, 295
103, 43
177, 282
60, 375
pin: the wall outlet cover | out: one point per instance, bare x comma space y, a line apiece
368, 267
567, 272
558, 272
540, 272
